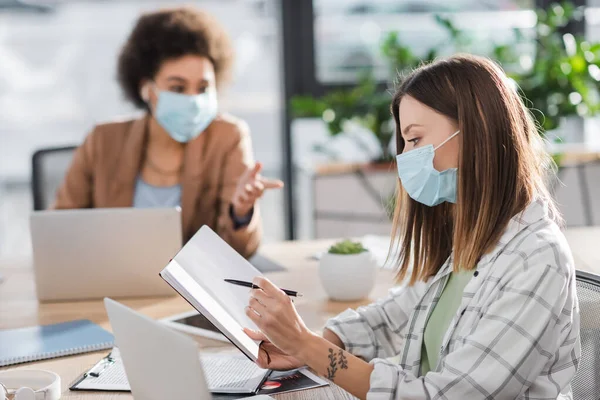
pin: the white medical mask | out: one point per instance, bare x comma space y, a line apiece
184, 117
422, 181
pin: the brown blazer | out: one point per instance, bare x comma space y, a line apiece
105, 167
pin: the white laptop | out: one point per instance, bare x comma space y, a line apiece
103, 252
164, 364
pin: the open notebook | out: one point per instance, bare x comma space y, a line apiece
197, 273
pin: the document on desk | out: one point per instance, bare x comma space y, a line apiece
224, 373
198, 274
109, 375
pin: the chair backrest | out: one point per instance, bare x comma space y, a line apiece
48, 168
586, 384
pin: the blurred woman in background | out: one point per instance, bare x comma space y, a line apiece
182, 152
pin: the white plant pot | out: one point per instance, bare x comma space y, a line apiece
347, 277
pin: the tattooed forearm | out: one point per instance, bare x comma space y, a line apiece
333, 363
343, 360
332, 369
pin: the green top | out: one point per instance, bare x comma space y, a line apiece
440, 318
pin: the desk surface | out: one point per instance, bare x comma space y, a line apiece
19, 306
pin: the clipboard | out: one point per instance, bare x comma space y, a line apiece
107, 375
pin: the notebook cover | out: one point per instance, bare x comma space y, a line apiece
198, 274
51, 341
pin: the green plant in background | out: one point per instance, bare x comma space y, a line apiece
401, 58
347, 247
562, 79
367, 102
364, 103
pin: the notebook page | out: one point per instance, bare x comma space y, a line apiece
208, 305
225, 373
200, 269
210, 260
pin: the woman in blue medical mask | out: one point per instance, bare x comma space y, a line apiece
486, 307
182, 152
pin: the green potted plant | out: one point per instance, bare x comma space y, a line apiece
347, 271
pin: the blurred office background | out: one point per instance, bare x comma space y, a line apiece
57, 79
299, 64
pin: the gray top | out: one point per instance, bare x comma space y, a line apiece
146, 195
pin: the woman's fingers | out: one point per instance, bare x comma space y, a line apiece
252, 173
264, 358
254, 335
253, 190
268, 287
253, 315
243, 198
258, 187
261, 296
257, 306
271, 183
248, 189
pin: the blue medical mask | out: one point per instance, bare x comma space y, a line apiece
422, 182
183, 116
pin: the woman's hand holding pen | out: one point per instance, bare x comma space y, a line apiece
282, 330
290, 344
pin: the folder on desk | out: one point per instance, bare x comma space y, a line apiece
198, 274
51, 341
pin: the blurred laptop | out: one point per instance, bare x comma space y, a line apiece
103, 252
163, 364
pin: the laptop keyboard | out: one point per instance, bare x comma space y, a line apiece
223, 371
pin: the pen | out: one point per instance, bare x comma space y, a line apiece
253, 286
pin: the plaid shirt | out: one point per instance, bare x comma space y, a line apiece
515, 334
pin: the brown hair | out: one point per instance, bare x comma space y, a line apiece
501, 166
168, 34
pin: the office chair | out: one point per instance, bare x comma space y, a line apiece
48, 168
586, 384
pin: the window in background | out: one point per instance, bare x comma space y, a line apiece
348, 33
57, 79
592, 19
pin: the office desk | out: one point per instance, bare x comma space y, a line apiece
19, 308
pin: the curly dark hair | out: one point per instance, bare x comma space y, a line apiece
167, 34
